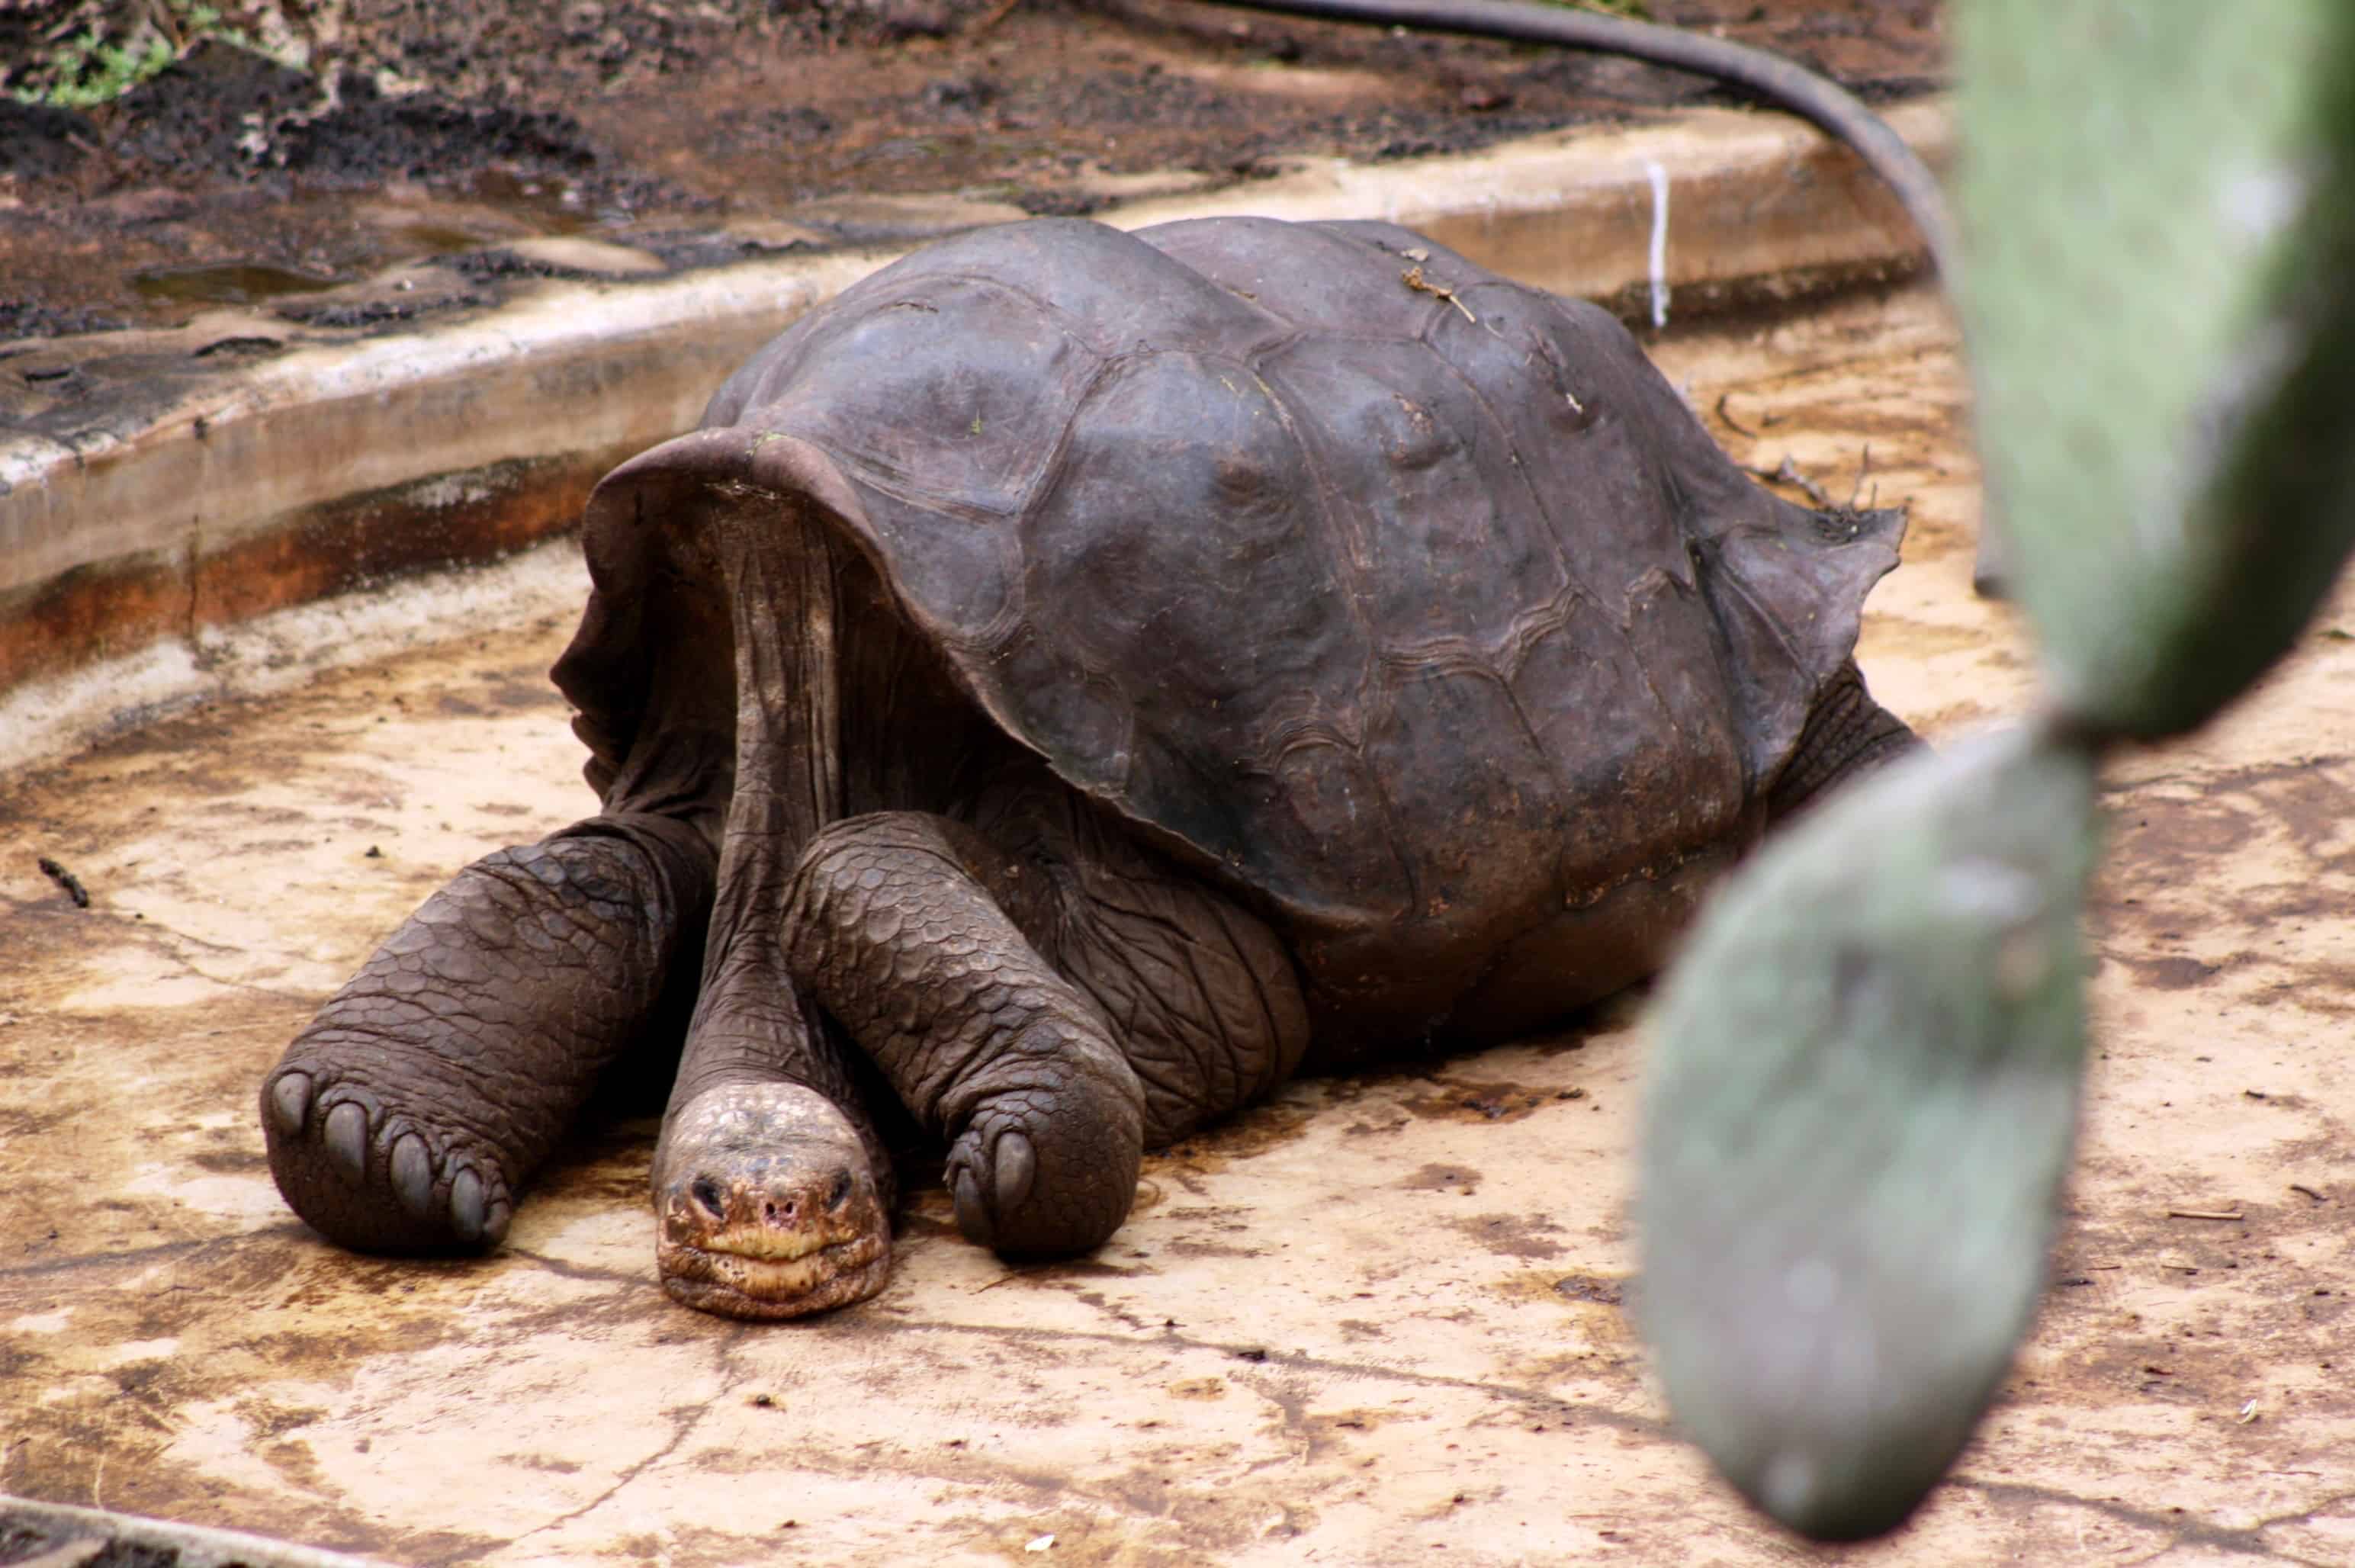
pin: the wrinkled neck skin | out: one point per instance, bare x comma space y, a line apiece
773, 1184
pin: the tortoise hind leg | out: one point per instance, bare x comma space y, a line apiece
408, 1115
1847, 733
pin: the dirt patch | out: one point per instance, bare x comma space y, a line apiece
1469, 1099
374, 134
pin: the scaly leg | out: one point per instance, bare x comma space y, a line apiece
1044, 995
896, 924
409, 1114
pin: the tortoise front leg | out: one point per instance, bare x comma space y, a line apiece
409, 1114
901, 924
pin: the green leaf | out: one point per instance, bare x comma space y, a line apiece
1862, 1101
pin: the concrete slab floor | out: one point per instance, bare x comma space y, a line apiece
1376, 1321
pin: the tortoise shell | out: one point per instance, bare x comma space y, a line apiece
1409, 602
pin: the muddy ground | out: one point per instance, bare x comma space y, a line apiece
1379, 1320
418, 129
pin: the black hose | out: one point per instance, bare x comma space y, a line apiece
1782, 82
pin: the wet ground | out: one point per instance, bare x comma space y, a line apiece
417, 130
1379, 1320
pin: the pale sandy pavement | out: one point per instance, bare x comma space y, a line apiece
1377, 1321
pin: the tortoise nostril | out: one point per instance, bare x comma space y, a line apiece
706, 1193
839, 1193
784, 1213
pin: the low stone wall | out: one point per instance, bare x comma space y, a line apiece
157, 487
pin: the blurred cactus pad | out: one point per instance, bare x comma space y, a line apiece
1867, 1065
1856, 1131
2156, 214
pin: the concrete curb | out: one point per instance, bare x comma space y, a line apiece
62, 1535
139, 524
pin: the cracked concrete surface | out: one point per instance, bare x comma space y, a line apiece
1379, 1320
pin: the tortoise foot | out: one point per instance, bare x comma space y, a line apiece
767, 1204
1050, 1170
378, 1177
901, 926
408, 1114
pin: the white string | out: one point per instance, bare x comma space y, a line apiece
1659, 241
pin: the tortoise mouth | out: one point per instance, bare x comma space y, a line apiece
755, 1276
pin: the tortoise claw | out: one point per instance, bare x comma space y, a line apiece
468, 1213
346, 1139
413, 1175
290, 1102
972, 1213
1017, 1169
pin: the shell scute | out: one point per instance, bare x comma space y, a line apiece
1201, 463
1431, 520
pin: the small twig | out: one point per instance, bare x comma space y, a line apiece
2302, 1187
2203, 1214
998, 13
1412, 277
1788, 473
67, 880
1863, 467
1731, 422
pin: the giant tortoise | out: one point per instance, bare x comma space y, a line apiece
1072, 682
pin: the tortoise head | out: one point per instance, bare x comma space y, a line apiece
767, 1204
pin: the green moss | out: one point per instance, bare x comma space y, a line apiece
95, 66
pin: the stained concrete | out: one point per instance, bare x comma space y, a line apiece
1379, 1320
